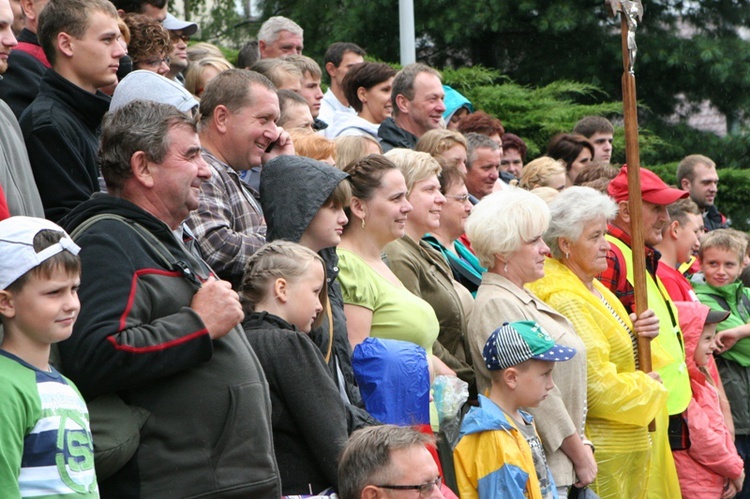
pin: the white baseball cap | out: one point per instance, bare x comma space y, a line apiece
17, 246
174, 24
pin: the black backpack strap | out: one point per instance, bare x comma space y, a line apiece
166, 257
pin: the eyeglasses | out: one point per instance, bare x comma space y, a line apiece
425, 489
178, 35
460, 199
156, 62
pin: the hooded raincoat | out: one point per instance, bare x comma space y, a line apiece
712, 457
621, 400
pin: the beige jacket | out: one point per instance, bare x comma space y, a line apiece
562, 413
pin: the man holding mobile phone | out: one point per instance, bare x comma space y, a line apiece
238, 131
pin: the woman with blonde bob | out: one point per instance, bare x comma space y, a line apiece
447, 144
543, 172
621, 400
421, 268
505, 229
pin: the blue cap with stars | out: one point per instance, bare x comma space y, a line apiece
516, 342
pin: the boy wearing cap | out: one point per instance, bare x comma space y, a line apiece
47, 448
710, 467
500, 454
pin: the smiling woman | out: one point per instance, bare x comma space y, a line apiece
367, 87
616, 391
421, 268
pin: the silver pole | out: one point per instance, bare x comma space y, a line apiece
406, 31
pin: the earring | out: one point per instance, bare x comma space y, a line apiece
505, 267
567, 255
363, 223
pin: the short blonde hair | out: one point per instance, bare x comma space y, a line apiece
538, 173
279, 260
725, 239
201, 50
415, 166
436, 142
504, 220
350, 148
311, 145
195, 71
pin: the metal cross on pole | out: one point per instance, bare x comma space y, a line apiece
631, 12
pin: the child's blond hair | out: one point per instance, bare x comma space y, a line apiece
279, 260
725, 239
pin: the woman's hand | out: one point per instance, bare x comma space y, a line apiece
655, 376
647, 325
727, 339
582, 457
587, 469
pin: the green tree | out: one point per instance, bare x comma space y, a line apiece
688, 47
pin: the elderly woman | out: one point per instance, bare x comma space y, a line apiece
445, 238
505, 230
621, 400
367, 87
421, 268
574, 150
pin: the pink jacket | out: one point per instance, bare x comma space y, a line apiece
712, 457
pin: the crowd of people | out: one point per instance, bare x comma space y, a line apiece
220, 281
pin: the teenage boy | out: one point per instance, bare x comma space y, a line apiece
499, 443
599, 131
680, 239
81, 41
46, 442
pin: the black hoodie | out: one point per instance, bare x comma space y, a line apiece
292, 190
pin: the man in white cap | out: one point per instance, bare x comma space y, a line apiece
180, 33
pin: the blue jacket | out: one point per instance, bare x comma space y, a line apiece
493, 459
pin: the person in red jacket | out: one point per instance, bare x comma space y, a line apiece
710, 467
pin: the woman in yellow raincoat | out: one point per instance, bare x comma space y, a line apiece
621, 400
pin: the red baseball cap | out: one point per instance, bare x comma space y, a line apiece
653, 189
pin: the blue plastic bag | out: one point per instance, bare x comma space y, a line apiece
394, 380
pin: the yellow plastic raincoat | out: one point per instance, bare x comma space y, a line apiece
621, 400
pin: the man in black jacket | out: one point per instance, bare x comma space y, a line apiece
158, 329
697, 175
81, 41
418, 105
